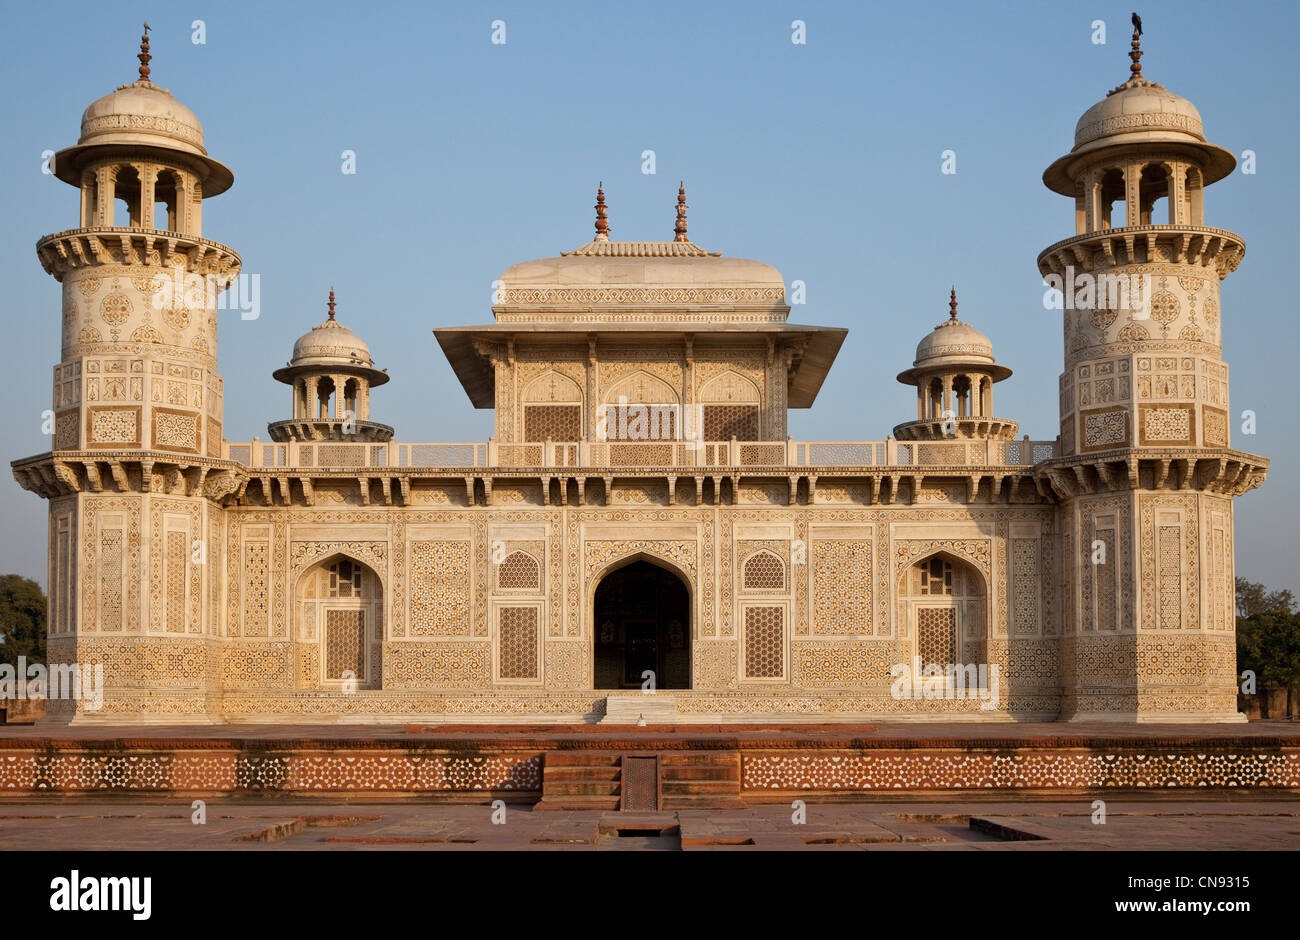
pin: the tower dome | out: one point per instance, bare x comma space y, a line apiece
1141, 112
139, 116
332, 344
951, 345
953, 341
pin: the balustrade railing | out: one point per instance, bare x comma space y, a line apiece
339, 455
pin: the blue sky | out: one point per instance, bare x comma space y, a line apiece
822, 159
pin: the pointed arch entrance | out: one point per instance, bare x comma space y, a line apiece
340, 627
944, 600
642, 621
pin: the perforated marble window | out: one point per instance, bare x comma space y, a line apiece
723, 422
519, 571
764, 571
344, 579
936, 635
937, 577
764, 642
642, 422
518, 643
345, 644
552, 422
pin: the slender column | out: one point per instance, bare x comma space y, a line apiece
148, 188
194, 211
1178, 193
920, 401
88, 189
184, 192
946, 404
313, 397
1132, 194
1090, 201
107, 193
340, 383
363, 400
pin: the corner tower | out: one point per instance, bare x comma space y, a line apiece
135, 470
1147, 476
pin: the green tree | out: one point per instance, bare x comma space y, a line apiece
22, 620
1268, 640
1253, 598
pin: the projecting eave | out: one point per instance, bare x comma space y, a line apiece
815, 348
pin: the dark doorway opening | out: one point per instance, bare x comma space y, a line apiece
642, 622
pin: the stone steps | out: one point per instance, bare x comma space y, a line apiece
581, 780
699, 780
640, 708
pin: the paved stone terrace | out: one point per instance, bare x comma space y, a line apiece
951, 826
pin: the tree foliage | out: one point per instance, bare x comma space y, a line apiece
22, 620
1268, 638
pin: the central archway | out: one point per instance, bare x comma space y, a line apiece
642, 621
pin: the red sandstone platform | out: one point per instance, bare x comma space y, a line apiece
656, 767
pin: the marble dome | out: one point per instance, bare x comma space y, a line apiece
1144, 113
331, 343
141, 115
953, 339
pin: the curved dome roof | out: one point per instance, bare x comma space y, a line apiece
665, 280
953, 339
643, 264
331, 345
1139, 111
954, 344
141, 115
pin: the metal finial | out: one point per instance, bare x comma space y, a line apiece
952, 303
331, 303
1135, 70
602, 224
144, 55
680, 227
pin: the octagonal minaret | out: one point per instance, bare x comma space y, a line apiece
135, 472
1146, 477
138, 365
1143, 339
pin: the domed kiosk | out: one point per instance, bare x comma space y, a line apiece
332, 374
954, 372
